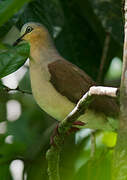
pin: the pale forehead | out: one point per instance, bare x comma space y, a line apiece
32, 24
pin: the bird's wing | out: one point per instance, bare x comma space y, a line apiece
69, 80
72, 82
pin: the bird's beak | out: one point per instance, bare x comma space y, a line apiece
19, 40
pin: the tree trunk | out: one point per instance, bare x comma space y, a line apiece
120, 155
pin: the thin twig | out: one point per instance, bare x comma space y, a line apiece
53, 154
23, 91
104, 56
17, 89
93, 144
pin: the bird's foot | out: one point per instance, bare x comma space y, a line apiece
79, 123
71, 130
75, 129
55, 133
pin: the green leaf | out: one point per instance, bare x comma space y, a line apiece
25, 82
2, 47
5, 172
109, 139
13, 58
8, 8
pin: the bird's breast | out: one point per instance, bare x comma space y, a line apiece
46, 96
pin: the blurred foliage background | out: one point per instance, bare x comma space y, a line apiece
79, 29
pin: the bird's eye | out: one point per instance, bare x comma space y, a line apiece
29, 29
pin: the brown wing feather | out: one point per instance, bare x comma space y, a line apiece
69, 80
72, 82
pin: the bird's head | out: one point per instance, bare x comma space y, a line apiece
34, 33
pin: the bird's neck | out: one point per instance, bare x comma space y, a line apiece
44, 52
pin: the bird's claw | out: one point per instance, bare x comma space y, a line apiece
71, 130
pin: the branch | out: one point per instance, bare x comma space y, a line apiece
123, 88
93, 144
53, 154
104, 56
7, 89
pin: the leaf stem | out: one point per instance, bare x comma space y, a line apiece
7, 89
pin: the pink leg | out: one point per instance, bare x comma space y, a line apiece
71, 130
79, 123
